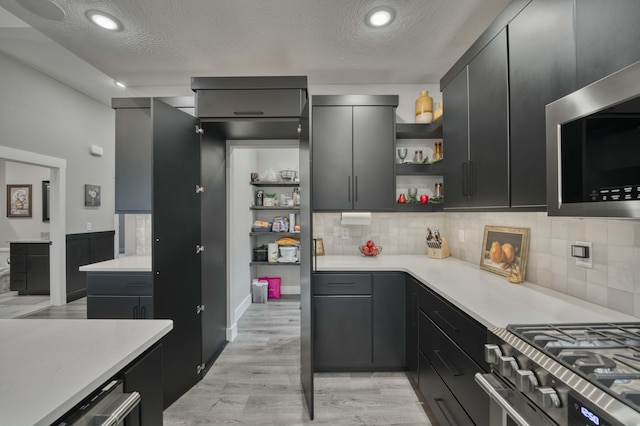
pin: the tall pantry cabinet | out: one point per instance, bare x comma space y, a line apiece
157, 139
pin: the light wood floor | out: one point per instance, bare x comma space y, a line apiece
256, 381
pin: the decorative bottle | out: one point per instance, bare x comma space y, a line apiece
437, 155
424, 108
438, 112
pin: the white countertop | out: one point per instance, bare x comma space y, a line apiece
121, 264
29, 241
47, 366
488, 298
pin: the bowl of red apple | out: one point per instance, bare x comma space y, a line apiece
370, 249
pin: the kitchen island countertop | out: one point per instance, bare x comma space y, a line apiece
120, 264
488, 298
48, 366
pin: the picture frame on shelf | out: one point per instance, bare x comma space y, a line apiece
505, 251
318, 246
19, 200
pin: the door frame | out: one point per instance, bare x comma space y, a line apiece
57, 214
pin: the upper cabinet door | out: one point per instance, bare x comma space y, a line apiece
455, 132
373, 158
542, 68
488, 125
607, 34
270, 103
332, 158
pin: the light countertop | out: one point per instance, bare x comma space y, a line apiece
121, 264
488, 298
47, 366
31, 241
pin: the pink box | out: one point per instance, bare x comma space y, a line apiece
274, 286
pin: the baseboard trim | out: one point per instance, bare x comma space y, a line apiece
232, 332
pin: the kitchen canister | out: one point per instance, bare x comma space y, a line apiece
272, 252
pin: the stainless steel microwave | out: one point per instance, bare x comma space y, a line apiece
593, 149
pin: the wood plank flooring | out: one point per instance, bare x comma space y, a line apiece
256, 381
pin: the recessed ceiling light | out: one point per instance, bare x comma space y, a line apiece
380, 16
117, 83
104, 20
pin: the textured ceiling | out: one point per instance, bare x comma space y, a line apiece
165, 42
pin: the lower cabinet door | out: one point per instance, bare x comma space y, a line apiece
113, 307
442, 403
145, 377
342, 333
412, 321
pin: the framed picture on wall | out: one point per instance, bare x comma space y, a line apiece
92, 195
318, 245
505, 250
46, 190
19, 200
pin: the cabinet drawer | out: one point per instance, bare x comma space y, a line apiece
250, 103
455, 368
37, 248
336, 284
467, 333
441, 401
120, 284
18, 248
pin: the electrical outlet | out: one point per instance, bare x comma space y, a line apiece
89, 226
345, 233
461, 235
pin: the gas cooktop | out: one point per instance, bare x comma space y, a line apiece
607, 355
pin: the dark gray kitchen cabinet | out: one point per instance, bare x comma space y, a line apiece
134, 150
353, 161
144, 376
542, 68
412, 310
606, 35
114, 295
389, 298
455, 130
340, 300
359, 321
444, 406
481, 179
29, 268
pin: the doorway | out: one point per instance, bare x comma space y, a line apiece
57, 182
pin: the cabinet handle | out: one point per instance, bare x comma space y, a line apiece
355, 189
454, 372
442, 406
248, 112
143, 313
465, 175
416, 308
135, 312
342, 284
349, 188
315, 255
453, 327
472, 181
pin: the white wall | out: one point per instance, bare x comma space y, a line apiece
40, 115
12, 228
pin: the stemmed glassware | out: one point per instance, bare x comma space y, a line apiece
413, 193
402, 154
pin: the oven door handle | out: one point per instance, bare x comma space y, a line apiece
494, 394
123, 410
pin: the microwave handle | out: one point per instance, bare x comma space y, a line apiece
494, 394
123, 410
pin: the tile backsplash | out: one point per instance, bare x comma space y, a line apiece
614, 280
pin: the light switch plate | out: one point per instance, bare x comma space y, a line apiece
345, 233
461, 235
586, 262
89, 226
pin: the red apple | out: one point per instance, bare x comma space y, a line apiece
424, 199
370, 244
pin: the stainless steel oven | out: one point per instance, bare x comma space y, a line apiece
580, 374
593, 149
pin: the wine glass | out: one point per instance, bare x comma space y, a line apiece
413, 193
402, 153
